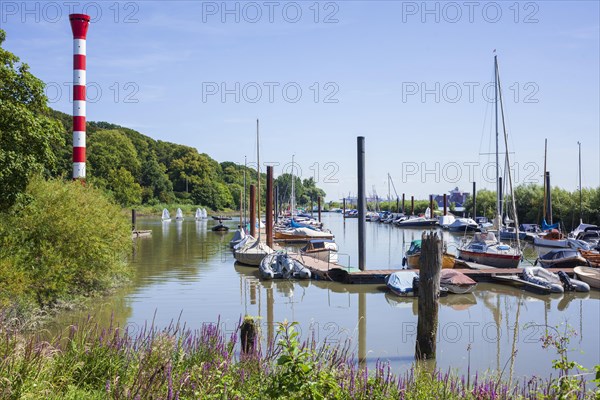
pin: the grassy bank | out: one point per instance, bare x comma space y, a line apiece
59, 243
175, 363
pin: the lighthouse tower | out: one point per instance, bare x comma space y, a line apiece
79, 26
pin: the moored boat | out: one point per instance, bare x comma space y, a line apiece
280, 265
561, 258
403, 283
485, 249
301, 234
237, 238
166, 217
321, 249
557, 283
553, 238
252, 253
413, 256
456, 282
591, 276
463, 225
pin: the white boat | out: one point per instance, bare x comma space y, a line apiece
166, 217
463, 225
279, 265
301, 234
204, 214
252, 253
402, 283
198, 215
591, 276
446, 220
179, 215
485, 249
321, 249
552, 239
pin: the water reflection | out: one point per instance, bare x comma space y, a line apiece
186, 268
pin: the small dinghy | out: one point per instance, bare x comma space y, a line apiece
557, 283
456, 282
220, 228
561, 258
280, 265
403, 283
591, 276
166, 217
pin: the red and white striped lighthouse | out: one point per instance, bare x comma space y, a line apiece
79, 26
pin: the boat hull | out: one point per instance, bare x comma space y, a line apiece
591, 276
558, 244
491, 259
413, 261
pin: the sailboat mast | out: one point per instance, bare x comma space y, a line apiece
293, 197
545, 189
244, 198
497, 157
258, 183
580, 188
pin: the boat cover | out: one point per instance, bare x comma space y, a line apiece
451, 277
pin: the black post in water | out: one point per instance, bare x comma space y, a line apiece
133, 219
397, 204
403, 209
475, 201
360, 142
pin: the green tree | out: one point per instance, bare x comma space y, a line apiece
109, 150
156, 180
124, 187
27, 130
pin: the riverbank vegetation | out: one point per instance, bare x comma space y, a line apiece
174, 363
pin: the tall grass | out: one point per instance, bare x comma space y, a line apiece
178, 363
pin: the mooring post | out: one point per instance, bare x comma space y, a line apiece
253, 211
133, 219
248, 334
362, 329
319, 207
431, 206
360, 142
344, 208
445, 204
474, 201
403, 209
269, 225
429, 287
412, 205
397, 204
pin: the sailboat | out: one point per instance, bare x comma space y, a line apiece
166, 217
198, 215
179, 215
253, 252
485, 248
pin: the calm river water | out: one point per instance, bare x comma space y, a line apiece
187, 271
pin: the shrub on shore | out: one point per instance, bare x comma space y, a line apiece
58, 241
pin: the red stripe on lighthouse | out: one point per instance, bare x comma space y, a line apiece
78, 92
78, 61
78, 154
79, 124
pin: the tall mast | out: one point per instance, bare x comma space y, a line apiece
293, 198
497, 158
258, 183
244, 198
580, 188
545, 188
510, 184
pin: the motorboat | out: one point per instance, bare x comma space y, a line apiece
321, 249
561, 258
591, 276
403, 283
445, 221
166, 217
557, 283
413, 255
456, 282
485, 249
582, 229
417, 222
463, 225
280, 265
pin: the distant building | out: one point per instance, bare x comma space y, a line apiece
457, 197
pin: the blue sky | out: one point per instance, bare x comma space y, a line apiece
409, 76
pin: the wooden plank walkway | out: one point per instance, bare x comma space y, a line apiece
322, 270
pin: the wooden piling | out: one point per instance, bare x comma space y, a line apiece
474, 201
133, 219
253, 211
403, 209
319, 207
361, 201
269, 222
248, 335
429, 287
445, 204
412, 205
398, 204
431, 215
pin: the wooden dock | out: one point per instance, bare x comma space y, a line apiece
322, 270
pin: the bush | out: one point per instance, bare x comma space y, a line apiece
61, 239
